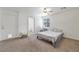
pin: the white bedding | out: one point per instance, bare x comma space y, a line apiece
50, 35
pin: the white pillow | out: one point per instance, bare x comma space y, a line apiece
57, 30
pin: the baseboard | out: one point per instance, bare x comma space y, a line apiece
18, 37
70, 38
10, 38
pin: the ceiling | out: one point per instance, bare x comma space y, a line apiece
39, 9
35, 8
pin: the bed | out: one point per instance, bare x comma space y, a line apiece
52, 36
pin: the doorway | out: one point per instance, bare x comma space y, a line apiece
31, 25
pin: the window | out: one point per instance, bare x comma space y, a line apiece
46, 22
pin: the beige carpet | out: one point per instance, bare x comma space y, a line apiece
35, 45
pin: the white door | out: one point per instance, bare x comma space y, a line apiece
31, 25
9, 25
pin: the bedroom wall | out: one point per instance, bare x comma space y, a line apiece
38, 23
0, 21
22, 22
8, 23
68, 21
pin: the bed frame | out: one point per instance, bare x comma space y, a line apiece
52, 39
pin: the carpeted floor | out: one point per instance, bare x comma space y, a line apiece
35, 45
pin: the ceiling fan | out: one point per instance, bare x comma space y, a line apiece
49, 11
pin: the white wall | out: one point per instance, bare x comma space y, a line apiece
9, 23
68, 21
23, 22
38, 23
0, 21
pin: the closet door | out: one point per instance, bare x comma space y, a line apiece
9, 25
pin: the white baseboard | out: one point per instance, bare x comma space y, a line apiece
70, 37
10, 38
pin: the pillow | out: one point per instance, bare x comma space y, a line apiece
44, 29
56, 30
